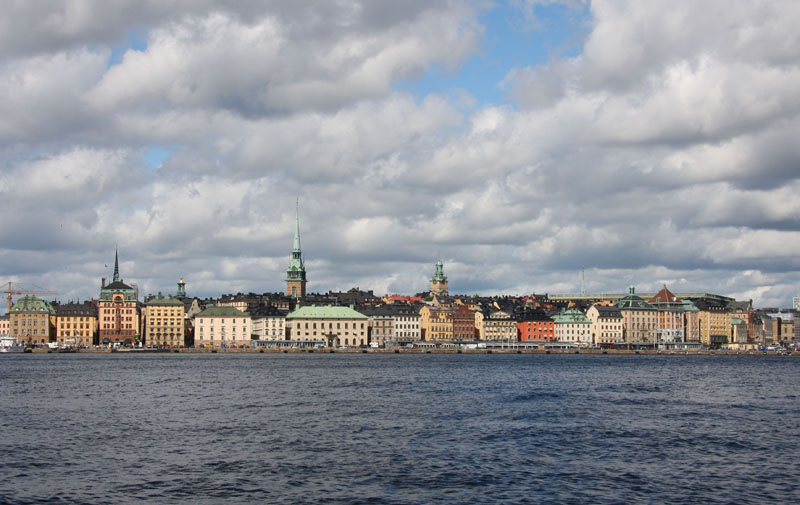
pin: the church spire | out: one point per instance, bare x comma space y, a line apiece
296, 273
297, 226
116, 266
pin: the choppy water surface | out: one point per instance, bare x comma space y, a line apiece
405, 429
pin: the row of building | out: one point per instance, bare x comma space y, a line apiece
358, 318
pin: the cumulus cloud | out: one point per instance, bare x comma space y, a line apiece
664, 151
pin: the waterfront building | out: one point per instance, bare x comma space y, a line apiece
222, 327
607, 324
534, 325
464, 324
714, 322
296, 273
329, 325
164, 321
744, 312
381, 323
639, 318
572, 326
439, 280
670, 324
32, 321
268, 323
499, 327
118, 311
4, 325
406, 322
76, 324
436, 323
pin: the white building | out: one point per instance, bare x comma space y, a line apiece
573, 327
222, 327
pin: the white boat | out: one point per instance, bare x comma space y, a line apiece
9, 344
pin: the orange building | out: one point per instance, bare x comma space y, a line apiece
118, 317
535, 325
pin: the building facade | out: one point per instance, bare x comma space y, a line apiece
499, 326
164, 321
76, 324
32, 321
331, 326
572, 326
222, 327
639, 318
464, 324
269, 323
535, 326
606, 324
436, 323
118, 311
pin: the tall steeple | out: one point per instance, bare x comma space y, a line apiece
296, 274
296, 248
116, 266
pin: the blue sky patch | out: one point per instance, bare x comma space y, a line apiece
136, 41
511, 41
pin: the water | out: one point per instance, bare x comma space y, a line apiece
404, 429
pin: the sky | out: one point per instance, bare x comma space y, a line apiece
522, 142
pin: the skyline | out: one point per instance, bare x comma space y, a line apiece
519, 141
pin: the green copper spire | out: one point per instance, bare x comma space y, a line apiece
181, 287
297, 227
296, 271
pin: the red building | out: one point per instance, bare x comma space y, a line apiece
535, 325
464, 324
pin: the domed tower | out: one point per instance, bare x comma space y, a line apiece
439, 280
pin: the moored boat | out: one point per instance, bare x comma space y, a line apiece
10, 344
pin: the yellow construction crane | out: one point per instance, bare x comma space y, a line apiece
34, 291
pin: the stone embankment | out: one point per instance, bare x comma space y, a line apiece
272, 350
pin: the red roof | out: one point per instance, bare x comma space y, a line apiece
664, 296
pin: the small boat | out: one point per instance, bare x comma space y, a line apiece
10, 344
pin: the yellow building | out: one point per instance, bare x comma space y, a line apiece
76, 324
436, 323
31, 321
163, 321
714, 323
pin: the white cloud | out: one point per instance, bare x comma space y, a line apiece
665, 152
